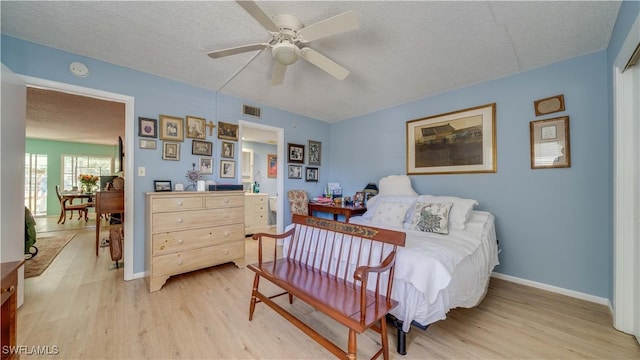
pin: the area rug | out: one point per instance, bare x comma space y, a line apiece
49, 246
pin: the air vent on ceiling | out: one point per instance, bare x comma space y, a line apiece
251, 111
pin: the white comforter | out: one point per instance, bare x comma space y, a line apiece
435, 272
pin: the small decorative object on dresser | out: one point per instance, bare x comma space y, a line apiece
191, 231
161, 185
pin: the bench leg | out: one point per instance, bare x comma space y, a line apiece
254, 291
352, 347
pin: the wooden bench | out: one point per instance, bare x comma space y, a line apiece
343, 270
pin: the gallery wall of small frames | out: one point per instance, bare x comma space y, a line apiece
172, 132
296, 159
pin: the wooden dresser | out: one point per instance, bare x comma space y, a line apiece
187, 231
9, 309
256, 213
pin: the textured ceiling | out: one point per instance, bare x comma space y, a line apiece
402, 51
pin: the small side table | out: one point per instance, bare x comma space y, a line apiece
346, 210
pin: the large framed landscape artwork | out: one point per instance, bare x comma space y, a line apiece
462, 141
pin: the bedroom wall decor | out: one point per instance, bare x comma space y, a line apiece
272, 165
315, 152
147, 127
549, 105
296, 153
295, 171
550, 147
196, 127
202, 148
227, 169
311, 174
171, 128
227, 131
462, 141
171, 151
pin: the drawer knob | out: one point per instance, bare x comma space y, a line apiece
179, 203
179, 221
180, 241
226, 201
10, 289
226, 233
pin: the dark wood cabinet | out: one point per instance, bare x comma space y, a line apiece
9, 309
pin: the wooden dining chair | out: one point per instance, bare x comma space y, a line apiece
64, 207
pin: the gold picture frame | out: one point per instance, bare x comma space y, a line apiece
196, 127
171, 128
458, 142
549, 105
550, 143
227, 131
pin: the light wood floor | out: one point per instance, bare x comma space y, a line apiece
88, 312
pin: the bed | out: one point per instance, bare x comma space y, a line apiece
435, 272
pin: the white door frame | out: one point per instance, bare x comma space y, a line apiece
281, 163
129, 145
626, 192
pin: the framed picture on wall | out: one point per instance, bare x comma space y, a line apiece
170, 151
272, 165
459, 142
147, 127
550, 146
206, 165
315, 152
296, 153
295, 171
227, 169
171, 128
196, 127
228, 149
311, 174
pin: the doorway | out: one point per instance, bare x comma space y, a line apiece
128, 102
253, 132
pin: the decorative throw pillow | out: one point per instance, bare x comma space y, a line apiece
431, 217
460, 211
390, 213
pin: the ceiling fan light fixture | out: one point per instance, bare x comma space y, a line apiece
285, 52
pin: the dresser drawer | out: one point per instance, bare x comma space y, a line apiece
178, 263
169, 242
224, 201
177, 203
170, 221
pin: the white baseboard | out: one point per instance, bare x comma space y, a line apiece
555, 289
139, 275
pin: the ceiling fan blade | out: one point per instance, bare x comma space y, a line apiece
254, 10
332, 26
277, 77
324, 63
237, 50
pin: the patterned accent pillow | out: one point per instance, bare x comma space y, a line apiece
431, 217
390, 213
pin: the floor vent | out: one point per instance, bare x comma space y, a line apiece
251, 111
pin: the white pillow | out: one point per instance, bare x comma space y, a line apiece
372, 204
431, 217
396, 185
460, 211
390, 213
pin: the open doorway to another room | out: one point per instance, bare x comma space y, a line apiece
261, 151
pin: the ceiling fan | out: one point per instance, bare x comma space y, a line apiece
289, 35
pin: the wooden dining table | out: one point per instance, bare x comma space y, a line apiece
70, 196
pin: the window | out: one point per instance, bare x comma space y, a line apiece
74, 165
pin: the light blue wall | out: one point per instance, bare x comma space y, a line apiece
153, 96
260, 151
553, 225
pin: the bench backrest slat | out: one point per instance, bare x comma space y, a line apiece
338, 249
